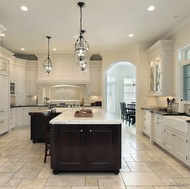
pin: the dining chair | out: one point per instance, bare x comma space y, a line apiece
124, 113
131, 113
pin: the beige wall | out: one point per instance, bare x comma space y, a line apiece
134, 54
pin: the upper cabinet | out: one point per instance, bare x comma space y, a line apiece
4, 61
65, 70
4, 66
160, 57
31, 78
12, 72
96, 78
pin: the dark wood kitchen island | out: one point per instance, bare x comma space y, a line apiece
86, 143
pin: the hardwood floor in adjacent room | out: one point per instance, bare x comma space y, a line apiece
144, 166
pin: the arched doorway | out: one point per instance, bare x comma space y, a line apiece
121, 85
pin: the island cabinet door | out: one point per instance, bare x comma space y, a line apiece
67, 148
105, 148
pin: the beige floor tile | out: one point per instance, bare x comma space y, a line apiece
45, 172
138, 167
3, 161
172, 162
4, 178
62, 187
29, 170
158, 165
32, 184
140, 187
13, 182
111, 183
91, 182
66, 179
167, 173
85, 187
141, 178
183, 171
10, 167
158, 153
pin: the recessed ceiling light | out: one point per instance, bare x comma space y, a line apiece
2, 34
24, 8
151, 8
54, 49
22, 49
131, 35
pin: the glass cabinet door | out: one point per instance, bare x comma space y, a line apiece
151, 76
158, 75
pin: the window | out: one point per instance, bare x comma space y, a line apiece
186, 74
186, 82
129, 90
111, 83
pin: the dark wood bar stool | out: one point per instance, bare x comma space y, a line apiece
47, 131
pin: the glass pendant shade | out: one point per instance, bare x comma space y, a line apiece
48, 65
47, 62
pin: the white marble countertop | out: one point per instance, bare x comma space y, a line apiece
99, 117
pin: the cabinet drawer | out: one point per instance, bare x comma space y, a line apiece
3, 114
3, 126
147, 114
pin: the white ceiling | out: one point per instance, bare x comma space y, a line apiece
107, 22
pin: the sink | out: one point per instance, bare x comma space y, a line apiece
177, 122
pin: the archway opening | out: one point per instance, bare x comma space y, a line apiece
121, 86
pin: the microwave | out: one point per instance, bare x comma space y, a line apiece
12, 88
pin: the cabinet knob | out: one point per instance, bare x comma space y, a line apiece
90, 130
81, 130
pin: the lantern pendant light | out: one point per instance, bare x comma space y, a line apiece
81, 45
47, 62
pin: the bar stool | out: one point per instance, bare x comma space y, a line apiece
47, 132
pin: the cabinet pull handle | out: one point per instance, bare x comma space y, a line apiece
81, 130
2, 111
1, 122
173, 134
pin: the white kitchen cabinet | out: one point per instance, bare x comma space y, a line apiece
96, 78
20, 85
12, 72
147, 122
176, 143
31, 78
12, 118
158, 129
22, 116
160, 57
4, 66
4, 104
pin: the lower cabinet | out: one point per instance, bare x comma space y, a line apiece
176, 143
4, 126
86, 148
158, 129
147, 123
21, 116
12, 118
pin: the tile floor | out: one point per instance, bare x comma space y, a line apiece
144, 166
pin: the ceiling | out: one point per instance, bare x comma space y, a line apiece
107, 22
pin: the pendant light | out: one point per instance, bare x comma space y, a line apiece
47, 62
81, 45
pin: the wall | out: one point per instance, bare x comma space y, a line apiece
134, 54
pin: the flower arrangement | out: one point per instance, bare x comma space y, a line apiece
170, 101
